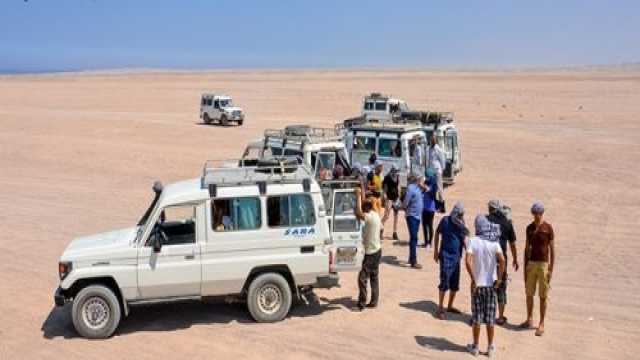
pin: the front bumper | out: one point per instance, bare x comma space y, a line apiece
59, 298
327, 282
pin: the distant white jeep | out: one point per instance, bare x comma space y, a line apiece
220, 109
263, 234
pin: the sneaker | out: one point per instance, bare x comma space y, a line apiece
395, 236
491, 351
473, 349
372, 305
416, 266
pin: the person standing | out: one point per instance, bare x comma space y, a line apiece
539, 260
372, 252
484, 256
448, 253
507, 236
436, 163
391, 187
412, 206
429, 207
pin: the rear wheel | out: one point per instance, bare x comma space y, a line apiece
206, 119
96, 312
269, 298
223, 120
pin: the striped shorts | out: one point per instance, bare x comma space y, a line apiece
483, 306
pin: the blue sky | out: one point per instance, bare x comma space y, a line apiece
58, 35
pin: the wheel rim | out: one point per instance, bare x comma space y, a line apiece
270, 299
96, 313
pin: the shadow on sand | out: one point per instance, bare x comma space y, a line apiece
393, 260
439, 343
183, 315
431, 307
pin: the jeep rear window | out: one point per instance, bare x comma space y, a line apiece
236, 214
368, 105
290, 210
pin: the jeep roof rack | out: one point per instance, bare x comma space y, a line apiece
276, 170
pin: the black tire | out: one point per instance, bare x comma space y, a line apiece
206, 119
240, 122
269, 298
224, 121
96, 312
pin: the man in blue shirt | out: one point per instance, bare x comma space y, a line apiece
448, 253
412, 206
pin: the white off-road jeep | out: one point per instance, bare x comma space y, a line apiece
220, 109
261, 234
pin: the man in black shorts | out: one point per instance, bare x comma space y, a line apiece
391, 186
507, 236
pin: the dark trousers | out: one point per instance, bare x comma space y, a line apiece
369, 271
414, 226
427, 226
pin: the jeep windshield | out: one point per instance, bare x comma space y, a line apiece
226, 103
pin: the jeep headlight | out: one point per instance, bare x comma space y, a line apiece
64, 268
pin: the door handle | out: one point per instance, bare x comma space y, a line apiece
189, 257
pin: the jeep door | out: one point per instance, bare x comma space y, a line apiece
347, 250
452, 155
174, 270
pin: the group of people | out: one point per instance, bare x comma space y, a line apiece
484, 254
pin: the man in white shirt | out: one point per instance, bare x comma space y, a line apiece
483, 254
372, 251
436, 164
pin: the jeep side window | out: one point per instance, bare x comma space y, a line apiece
208, 102
368, 105
204, 101
216, 104
177, 224
235, 214
381, 106
290, 210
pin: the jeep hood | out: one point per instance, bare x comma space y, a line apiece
232, 109
100, 244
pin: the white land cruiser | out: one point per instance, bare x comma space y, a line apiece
321, 149
220, 109
262, 234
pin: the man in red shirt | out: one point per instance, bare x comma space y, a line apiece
539, 260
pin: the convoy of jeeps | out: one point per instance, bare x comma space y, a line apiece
265, 229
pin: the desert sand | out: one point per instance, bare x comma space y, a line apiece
79, 152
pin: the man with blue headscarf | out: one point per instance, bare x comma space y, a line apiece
448, 252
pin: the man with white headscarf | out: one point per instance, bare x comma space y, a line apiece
484, 256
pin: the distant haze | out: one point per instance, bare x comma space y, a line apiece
63, 35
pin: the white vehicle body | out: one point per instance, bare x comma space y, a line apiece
215, 236
398, 143
319, 149
219, 108
378, 107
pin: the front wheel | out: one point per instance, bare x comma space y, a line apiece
96, 312
223, 120
269, 298
240, 122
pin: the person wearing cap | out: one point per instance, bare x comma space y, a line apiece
391, 187
507, 236
448, 252
539, 260
412, 206
484, 256
436, 163
429, 207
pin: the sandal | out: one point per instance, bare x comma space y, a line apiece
501, 321
539, 332
440, 314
